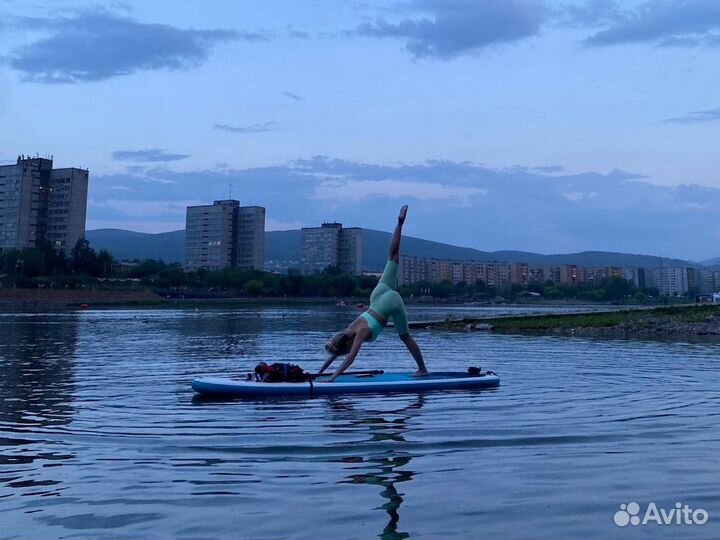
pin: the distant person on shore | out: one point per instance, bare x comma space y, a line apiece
385, 302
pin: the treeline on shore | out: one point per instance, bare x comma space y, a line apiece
83, 267
34, 267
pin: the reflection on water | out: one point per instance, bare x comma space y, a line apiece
37, 383
100, 436
388, 468
36, 370
222, 334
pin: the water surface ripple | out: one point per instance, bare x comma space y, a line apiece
100, 436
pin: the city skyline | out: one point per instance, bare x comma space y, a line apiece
550, 127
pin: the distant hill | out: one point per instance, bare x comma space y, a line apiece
712, 262
129, 245
284, 249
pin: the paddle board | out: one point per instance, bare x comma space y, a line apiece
378, 383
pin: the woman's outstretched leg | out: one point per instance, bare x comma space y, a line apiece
394, 254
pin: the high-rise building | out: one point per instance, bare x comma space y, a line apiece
251, 237
519, 274
440, 270
694, 278
568, 274
536, 274
636, 276
331, 245
223, 235
350, 251
413, 270
493, 274
671, 281
711, 279
320, 247
456, 273
67, 207
40, 204
596, 275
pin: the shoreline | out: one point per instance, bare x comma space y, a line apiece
70, 299
14, 299
64, 299
689, 320
633, 322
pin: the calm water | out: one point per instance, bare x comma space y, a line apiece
100, 436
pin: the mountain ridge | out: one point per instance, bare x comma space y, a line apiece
284, 249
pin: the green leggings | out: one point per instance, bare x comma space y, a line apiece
387, 302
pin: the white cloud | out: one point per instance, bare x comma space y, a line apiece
356, 190
275, 225
154, 179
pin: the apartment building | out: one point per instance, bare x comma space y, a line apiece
40, 204
331, 245
223, 235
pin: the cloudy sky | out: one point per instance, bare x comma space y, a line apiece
542, 125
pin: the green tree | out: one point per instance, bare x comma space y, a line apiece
616, 288
253, 287
83, 257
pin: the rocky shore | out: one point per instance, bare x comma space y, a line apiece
662, 322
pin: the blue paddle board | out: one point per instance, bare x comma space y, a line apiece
344, 384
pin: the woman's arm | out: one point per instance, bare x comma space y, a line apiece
330, 359
354, 350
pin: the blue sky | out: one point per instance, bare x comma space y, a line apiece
548, 126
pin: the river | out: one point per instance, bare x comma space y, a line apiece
100, 436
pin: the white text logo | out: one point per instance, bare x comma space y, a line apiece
680, 514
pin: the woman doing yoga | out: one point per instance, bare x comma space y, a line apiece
385, 303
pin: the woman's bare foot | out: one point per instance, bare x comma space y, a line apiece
420, 373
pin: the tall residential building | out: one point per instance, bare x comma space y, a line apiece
568, 274
596, 275
456, 273
223, 235
41, 204
493, 274
350, 251
413, 270
440, 270
671, 281
251, 237
502, 275
536, 274
711, 279
520, 274
694, 278
320, 247
331, 245
636, 276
